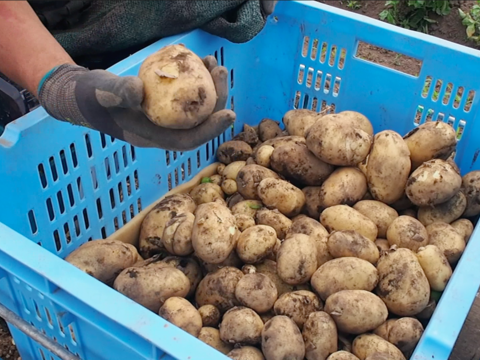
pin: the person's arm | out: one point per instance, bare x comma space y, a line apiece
27, 50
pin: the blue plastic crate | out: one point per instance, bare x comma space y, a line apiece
63, 185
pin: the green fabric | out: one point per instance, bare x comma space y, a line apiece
113, 25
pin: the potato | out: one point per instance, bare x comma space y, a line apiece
257, 292
435, 265
430, 140
447, 239
220, 169
337, 143
229, 186
407, 232
179, 92
153, 225
189, 267
234, 199
297, 164
246, 353
382, 245
214, 233
181, 313
384, 329
297, 305
297, 259
362, 166
298, 121
381, 214
378, 356
313, 201
206, 192
233, 150
248, 179
342, 355
269, 268
104, 259
320, 336
241, 325
356, 120
211, 336
152, 285
405, 333
433, 183
233, 260
177, 235
349, 243
255, 243
463, 227
356, 311
344, 217
273, 255
247, 207
312, 228
388, 167
471, 189
282, 339
210, 315
367, 345
281, 195
402, 284
268, 129
282, 140
275, 219
216, 179
231, 170
218, 289
244, 222
263, 154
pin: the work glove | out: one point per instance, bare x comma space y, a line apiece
111, 104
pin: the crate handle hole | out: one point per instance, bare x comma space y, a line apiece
33, 222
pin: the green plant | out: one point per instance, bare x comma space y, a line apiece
354, 5
471, 20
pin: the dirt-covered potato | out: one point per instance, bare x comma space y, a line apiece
249, 135
297, 259
152, 285
214, 233
336, 142
402, 283
255, 243
447, 212
447, 239
282, 339
297, 164
177, 235
382, 245
218, 289
388, 167
210, 315
430, 140
342, 355
247, 207
269, 268
275, 219
190, 267
320, 336
179, 92
313, 202
241, 325
433, 183
356, 311
244, 222
405, 333
435, 265
356, 120
211, 337
407, 232
233, 260
231, 170
263, 155
206, 192
362, 166
367, 345
298, 121
257, 292
297, 305
381, 214
233, 150
384, 329
268, 129
153, 225
344, 217
229, 186
471, 189
182, 313
349, 243
281, 195
220, 169
464, 228
249, 177
104, 259
245, 353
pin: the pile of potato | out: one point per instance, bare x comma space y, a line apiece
320, 241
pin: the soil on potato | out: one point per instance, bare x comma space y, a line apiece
7, 348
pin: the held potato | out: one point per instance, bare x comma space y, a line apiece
249, 177
471, 189
320, 336
282, 339
268, 129
342, 355
298, 121
435, 265
368, 344
255, 243
177, 235
447, 239
281, 195
464, 227
257, 292
179, 92
344, 217
211, 337
381, 214
181, 313
388, 167
246, 353
447, 212
241, 325
407, 232
297, 305
348, 243
233, 150
210, 315
275, 219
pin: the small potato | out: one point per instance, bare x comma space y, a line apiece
356, 311
249, 177
255, 243
282, 339
281, 195
433, 183
447, 239
233, 150
210, 315
247, 207
447, 212
382, 245
216, 179
388, 167
220, 169
177, 235
181, 313
471, 189
205, 193
257, 292
342, 355
231, 170
435, 265
263, 154
405, 333
381, 214
368, 344
269, 268
249, 135
275, 219
344, 217
402, 284
244, 222
407, 232
297, 259
384, 329
320, 336
218, 289
464, 227
298, 121
241, 325
190, 267
246, 353
356, 120
298, 305
211, 336
349, 243
268, 129
229, 186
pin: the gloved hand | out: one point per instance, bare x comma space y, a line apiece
111, 104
